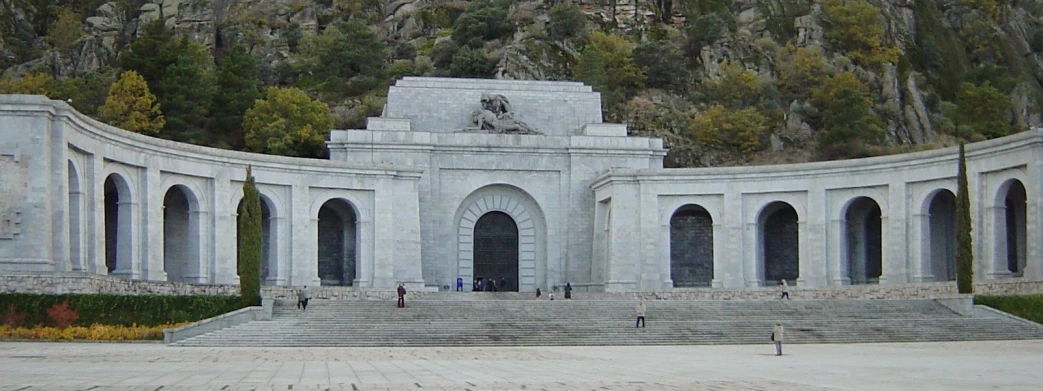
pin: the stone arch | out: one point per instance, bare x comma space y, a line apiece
337, 242
76, 229
862, 241
529, 219
119, 210
181, 234
1010, 227
778, 231
691, 246
940, 239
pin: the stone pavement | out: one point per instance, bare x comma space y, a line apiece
1006, 365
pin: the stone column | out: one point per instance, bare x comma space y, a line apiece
838, 263
199, 224
729, 243
278, 244
896, 237
994, 264
664, 255
812, 240
1034, 218
920, 248
152, 197
885, 262
721, 266
753, 255
76, 231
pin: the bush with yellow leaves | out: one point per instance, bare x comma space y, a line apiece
96, 332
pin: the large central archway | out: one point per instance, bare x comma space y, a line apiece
512, 204
496, 250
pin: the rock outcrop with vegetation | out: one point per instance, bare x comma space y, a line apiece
722, 82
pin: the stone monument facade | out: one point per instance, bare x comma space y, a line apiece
518, 182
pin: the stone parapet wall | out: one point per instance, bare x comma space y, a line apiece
97, 284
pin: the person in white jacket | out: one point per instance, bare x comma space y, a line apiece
776, 335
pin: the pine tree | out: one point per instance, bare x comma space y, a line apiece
249, 243
130, 105
186, 91
152, 53
964, 254
237, 89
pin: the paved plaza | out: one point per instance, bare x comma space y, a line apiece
1004, 365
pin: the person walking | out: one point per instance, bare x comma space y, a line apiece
568, 291
459, 284
302, 298
785, 290
538, 293
503, 284
776, 335
401, 295
640, 313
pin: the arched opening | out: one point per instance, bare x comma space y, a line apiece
117, 225
180, 236
942, 235
1016, 224
75, 209
337, 243
691, 247
780, 242
863, 235
496, 251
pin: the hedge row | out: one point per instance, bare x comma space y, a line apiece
118, 309
1028, 307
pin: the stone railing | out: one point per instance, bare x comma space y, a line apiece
88, 283
234, 318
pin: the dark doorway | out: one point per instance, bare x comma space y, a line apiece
496, 250
691, 247
942, 235
1016, 223
337, 243
864, 241
781, 240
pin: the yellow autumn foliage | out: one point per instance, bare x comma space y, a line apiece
95, 332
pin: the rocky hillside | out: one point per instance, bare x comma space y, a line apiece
723, 82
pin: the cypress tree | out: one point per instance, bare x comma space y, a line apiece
249, 240
964, 255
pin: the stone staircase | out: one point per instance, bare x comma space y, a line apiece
512, 319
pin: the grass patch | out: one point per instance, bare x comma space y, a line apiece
1029, 307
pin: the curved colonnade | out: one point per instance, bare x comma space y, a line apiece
887, 220
81, 196
102, 200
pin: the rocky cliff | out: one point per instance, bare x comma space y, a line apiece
940, 44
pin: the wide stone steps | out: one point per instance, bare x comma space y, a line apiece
611, 322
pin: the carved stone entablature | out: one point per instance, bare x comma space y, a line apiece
497, 116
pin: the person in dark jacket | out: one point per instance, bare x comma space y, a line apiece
568, 291
401, 295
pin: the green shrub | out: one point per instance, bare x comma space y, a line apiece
1029, 307
566, 20
127, 310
